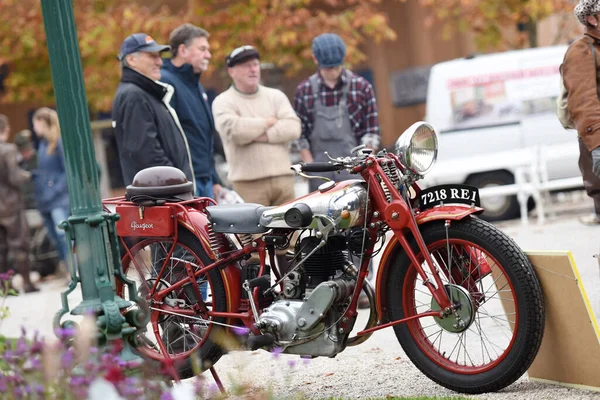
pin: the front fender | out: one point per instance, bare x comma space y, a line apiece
197, 222
453, 213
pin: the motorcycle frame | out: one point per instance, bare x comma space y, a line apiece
397, 214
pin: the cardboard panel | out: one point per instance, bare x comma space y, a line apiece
570, 351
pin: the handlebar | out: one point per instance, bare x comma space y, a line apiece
321, 167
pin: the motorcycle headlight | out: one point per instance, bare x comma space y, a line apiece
417, 147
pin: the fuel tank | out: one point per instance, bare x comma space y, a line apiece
346, 203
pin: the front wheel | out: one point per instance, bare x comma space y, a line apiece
495, 333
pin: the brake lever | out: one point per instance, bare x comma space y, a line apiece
331, 158
297, 168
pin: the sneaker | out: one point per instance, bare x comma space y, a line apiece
590, 219
29, 288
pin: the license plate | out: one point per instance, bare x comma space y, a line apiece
449, 194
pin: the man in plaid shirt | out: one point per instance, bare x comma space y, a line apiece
337, 108
338, 111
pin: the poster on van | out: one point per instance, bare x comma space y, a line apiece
502, 98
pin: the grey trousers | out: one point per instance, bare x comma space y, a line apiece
591, 182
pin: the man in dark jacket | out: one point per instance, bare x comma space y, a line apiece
190, 57
147, 129
14, 235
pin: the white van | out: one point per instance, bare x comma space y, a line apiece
496, 103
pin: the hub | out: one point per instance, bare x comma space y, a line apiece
464, 310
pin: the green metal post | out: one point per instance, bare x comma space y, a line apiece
92, 229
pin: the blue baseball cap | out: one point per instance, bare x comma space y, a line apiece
329, 49
140, 42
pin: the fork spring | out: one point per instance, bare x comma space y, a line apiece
215, 241
245, 238
392, 172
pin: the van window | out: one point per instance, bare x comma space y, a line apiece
502, 98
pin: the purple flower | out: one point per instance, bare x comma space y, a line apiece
38, 389
214, 388
166, 396
241, 330
22, 348
276, 352
18, 392
6, 276
291, 363
65, 333
77, 381
67, 359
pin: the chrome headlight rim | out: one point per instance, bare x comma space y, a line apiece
404, 147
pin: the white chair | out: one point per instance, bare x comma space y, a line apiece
551, 153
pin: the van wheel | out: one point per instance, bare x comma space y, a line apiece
499, 207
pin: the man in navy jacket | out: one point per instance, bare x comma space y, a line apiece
190, 57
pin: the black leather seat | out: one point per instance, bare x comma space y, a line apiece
157, 185
237, 218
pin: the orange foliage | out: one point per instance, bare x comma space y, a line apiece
489, 20
281, 29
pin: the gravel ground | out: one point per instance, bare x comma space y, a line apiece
378, 367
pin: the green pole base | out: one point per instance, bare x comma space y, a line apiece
95, 306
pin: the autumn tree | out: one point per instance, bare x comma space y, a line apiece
496, 23
281, 29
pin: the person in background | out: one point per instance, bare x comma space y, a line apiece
190, 57
14, 233
256, 124
338, 110
50, 177
580, 76
147, 129
27, 161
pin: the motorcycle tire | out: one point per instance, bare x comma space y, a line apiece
181, 341
491, 351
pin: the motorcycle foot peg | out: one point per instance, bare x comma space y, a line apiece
262, 282
256, 342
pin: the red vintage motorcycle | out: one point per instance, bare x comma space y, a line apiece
464, 301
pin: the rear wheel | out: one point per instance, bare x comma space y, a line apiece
182, 336
495, 334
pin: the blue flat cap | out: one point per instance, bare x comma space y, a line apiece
329, 50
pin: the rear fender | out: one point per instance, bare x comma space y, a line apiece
452, 213
197, 222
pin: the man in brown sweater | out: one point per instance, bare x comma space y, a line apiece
256, 125
13, 226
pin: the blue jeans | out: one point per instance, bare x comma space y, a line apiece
204, 187
51, 219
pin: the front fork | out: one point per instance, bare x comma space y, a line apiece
400, 221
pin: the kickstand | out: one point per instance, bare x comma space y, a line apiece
218, 381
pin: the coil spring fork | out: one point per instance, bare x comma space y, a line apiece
214, 240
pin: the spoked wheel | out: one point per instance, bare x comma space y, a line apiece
495, 332
175, 335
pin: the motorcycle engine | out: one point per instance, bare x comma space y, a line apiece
305, 319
